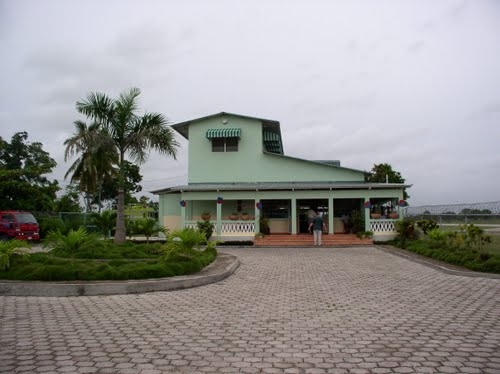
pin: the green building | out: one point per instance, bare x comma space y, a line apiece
238, 173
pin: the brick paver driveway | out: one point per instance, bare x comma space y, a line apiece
350, 310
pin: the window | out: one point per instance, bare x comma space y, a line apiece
218, 145
225, 145
275, 209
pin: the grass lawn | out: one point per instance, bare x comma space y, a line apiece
107, 263
493, 247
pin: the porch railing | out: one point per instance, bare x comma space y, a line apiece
383, 225
230, 227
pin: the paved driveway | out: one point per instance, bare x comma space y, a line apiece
356, 310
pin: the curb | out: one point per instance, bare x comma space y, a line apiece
435, 264
224, 265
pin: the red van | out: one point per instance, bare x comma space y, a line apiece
18, 225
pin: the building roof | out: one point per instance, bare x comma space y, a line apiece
182, 127
277, 186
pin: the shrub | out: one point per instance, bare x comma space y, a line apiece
148, 228
51, 224
182, 242
476, 238
406, 231
206, 228
10, 248
73, 242
105, 222
437, 238
427, 225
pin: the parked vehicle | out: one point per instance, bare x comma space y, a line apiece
18, 225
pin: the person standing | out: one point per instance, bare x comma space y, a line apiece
318, 226
311, 214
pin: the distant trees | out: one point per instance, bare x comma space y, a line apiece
23, 169
382, 173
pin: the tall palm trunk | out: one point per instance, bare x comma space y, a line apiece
120, 232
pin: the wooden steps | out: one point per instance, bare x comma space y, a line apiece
305, 240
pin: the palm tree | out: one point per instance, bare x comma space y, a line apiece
97, 160
132, 136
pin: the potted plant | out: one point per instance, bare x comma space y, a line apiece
393, 215
264, 226
245, 216
205, 215
376, 212
234, 216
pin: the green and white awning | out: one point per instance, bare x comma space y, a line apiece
272, 142
223, 133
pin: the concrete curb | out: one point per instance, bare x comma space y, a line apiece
221, 268
435, 264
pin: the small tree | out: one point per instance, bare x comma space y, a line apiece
149, 227
105, 222
207, 228
9, 249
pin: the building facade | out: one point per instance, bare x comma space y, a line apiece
241, 180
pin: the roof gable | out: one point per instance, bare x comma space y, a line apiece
183, 127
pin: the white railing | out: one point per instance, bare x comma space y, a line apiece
385, 225
238, 226
229, 226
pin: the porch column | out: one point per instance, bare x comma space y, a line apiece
183, 217
367, 215
257, 216
294, 215
330, 215
218, 224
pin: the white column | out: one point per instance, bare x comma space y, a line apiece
330, 215
367, 215
257, 217
294, 216
218, 225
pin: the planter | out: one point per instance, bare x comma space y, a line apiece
375, 215
233, 218
246, 217
206, 217
393, 215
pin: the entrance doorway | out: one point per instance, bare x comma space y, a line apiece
320, 206
348, 215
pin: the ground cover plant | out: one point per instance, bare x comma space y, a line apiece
81, 256
469, 246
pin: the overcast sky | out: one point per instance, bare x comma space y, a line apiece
412, 83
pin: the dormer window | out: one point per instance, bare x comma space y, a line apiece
224, 140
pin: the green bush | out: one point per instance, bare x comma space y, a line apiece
148, 228
437, 238
427, 225
9, 249
72, 243
206, 228
46, 225
44, 267
183, 242
105, 222
406, 231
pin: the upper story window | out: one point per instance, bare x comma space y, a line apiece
224, 140
225, 145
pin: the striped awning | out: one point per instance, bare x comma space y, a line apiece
223, 133
272, 142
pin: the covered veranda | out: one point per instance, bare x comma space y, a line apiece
238, 210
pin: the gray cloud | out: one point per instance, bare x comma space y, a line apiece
415, 84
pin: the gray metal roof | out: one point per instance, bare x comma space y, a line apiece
273, 186
182, 127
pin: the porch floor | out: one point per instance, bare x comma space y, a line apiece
307, 240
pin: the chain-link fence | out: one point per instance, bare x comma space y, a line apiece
456, 214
